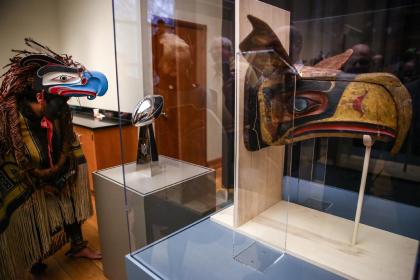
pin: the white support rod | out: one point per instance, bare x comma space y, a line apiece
368, 142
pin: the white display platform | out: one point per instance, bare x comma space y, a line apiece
324, 240
178, 195
172, 171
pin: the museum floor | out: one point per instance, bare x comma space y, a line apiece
61, 267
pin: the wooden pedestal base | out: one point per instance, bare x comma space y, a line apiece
325, 240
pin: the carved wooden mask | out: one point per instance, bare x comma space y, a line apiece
285, 104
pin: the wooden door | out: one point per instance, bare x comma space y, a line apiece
179, 72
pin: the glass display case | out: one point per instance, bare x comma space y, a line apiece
303, 113
175, 67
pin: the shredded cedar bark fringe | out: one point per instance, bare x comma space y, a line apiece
20, 245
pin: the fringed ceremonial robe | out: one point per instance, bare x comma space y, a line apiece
32, 218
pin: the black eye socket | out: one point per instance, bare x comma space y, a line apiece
302, 105
63, 78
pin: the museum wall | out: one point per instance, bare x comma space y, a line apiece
23, 18
80, 28
129, 49
90, 40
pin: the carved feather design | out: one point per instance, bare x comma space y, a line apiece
335, 62
263, 49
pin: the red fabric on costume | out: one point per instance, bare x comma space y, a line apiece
47, 124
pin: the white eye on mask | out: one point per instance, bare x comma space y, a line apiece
61, 78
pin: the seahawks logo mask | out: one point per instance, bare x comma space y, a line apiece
285, 104
61, 76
